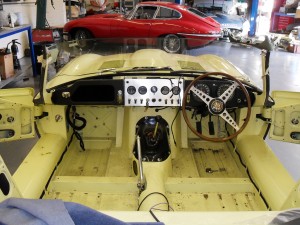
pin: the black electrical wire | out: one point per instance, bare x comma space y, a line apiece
161, 108
75, 117
59, 161
50, 178
79, 138
153, 215
246, 168
152, 193
179, 108
173, 124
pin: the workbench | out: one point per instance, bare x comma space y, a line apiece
6, 32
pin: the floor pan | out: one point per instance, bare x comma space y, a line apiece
99, 201
204, 177
215, 202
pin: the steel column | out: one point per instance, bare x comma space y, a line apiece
253, 16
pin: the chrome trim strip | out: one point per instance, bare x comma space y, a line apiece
201, 35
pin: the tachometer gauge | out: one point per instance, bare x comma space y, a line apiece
222, 88
201, 87
131, 90
142, 90
165, 90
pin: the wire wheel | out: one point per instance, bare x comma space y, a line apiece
82, 37
171, 43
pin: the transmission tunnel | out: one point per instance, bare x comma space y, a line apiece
154, 138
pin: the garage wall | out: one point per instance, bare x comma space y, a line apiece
226, 5
55, 17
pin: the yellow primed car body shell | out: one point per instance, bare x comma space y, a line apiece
89, 65
103, 178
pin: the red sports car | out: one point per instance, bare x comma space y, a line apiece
171, 26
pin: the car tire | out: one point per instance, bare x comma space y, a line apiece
172, 43
82, 36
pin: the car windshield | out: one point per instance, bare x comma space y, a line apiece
95, 58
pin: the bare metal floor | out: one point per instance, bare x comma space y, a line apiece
203, 178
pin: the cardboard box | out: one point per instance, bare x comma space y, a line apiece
297, 15
294, 47
6, 66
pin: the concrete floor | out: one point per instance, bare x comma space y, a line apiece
284, 72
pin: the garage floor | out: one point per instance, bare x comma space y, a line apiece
284, 72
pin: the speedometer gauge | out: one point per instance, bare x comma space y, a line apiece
201, 87
222, 88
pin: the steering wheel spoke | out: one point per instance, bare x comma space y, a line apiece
228, 118
226, 94
217, 106
200, 94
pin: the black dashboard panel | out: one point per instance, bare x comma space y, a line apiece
145, 92
215, 88
88, 92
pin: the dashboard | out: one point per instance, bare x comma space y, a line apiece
152, 92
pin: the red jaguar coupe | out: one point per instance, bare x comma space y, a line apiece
170, 26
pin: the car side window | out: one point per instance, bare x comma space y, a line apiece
166, 13
145, 12
197, 12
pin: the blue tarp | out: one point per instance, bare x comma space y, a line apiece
52, 212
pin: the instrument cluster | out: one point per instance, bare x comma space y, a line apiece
212, 89
215, 88
153, 92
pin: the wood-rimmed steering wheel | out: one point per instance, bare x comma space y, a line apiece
217, 106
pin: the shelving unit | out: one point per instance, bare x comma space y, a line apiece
280, 21
24, 28
129, 4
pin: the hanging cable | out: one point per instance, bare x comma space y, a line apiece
152, 193
179, 108
72, 123
244, 165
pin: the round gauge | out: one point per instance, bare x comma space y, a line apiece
142, 90
131, 90
222, 88
176, 90
201, 87
153, 89
165, 90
